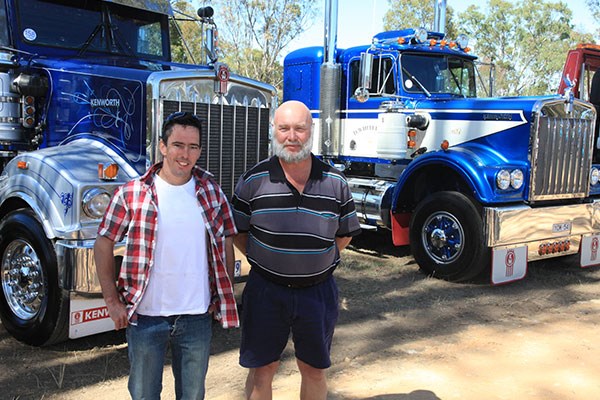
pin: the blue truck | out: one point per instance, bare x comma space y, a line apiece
476, 186
85, 87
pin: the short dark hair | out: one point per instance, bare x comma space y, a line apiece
181, 118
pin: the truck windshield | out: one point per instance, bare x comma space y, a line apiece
93, 26
438, 74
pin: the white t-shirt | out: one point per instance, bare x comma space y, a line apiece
178, 281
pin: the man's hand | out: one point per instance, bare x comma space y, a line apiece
118, 313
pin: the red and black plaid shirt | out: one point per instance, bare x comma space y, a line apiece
133, 212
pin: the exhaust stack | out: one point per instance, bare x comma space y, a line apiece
330, 88
439, 21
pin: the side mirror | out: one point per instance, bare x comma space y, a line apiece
366, 68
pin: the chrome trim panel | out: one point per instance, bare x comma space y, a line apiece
523, 224
76, 265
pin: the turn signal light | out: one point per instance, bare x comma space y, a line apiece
444, 145
108, 173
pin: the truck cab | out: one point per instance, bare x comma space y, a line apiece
85, 89
579, 79
476, 186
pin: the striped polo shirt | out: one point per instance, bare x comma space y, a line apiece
291, 235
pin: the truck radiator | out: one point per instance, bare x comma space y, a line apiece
561, 152
234, 138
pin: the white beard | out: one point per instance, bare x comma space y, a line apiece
280, 151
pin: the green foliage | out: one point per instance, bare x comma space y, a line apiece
403, 14
186, 35
254, 33
527, 41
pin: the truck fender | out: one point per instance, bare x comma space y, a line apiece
20, 191
470, 169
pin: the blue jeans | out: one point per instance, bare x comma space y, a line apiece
189, 338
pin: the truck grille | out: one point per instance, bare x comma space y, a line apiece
238, 137
561, 152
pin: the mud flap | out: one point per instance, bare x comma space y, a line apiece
88, 317
589, 251
509, 264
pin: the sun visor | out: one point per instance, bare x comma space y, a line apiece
159, 6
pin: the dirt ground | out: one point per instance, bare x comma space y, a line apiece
401, 336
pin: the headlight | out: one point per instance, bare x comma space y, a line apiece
94, 203
594, 176
503, 179
516, 179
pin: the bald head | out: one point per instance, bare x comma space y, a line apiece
293, 109
292, 140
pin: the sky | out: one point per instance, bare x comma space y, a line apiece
359, 20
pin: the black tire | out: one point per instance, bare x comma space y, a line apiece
33, 308
447, 237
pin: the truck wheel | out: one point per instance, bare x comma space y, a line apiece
33, 308
446, 237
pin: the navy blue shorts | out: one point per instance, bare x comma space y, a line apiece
271, 311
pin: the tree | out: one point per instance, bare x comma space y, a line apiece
527, 41
185, 34
254, 33
404, 14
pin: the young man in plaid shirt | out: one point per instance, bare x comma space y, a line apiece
177, 271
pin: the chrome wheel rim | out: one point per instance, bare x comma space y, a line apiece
443, 237
22, 279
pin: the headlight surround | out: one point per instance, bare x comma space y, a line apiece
503, 179
95, 202
516, 179
594, 176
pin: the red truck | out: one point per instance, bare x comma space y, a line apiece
579, 74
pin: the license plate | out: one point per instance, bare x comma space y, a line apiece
562, 227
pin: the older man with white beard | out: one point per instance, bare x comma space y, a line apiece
295, 214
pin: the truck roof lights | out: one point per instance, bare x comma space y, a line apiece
420, 36
462, 41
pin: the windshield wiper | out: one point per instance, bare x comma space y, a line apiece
415, 80
102, 28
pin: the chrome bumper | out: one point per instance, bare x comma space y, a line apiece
523, 225
76, 265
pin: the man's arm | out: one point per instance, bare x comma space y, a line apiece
241, 240
230, 259
343, 241
105, 268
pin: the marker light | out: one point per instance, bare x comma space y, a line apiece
445, 145
503, 179
594, 176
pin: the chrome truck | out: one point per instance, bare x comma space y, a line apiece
85, 87
476, 186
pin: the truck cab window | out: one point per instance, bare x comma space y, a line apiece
93, 26
3, 24
438, 74
383, 77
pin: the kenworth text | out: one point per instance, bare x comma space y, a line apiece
85, 86
475, 185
